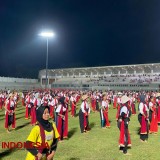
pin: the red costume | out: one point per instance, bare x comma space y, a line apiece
33, 113
61, 122
93, 103
65, 134
114, 102
10, 118
133, 107
1, 103
28, 108
73, 107
158, 111
154, 121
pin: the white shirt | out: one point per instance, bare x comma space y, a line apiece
87, 107
59, 108
72, 99
31, 101
105, 104
12, 104
141, 108
55, 102
50, 103
44, 100
97, 97
125, 110
119, 100
150, 104
38, 102
22, 95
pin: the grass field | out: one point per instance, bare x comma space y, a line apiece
98, 144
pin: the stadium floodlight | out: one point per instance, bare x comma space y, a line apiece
47, 35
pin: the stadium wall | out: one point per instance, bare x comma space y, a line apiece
18, 83
113, 86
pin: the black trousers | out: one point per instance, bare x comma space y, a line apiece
97, 106
143, 137
81, 121
10, 119
29, 111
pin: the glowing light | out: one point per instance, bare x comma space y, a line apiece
47, 34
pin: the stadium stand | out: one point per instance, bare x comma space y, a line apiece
123, 77
18, 83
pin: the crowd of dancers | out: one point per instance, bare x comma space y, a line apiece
64, 103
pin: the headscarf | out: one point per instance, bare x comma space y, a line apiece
142, 98
62, 100
44, 123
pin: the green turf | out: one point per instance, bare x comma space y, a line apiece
98, 144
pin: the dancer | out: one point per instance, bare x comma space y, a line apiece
61, 118
123, 122
143, 118
73, 105
104, 112
118, 104
84, 115
153, 116
158, 107
42, 141
10, 118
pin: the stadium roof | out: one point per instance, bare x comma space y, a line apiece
123, 69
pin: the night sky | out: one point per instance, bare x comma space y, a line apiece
88, 33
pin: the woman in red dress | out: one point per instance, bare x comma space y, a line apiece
114, 101
65, 134
118, 104
23, 99
33, 102
73, 105
84, 115
123, 122
158, 107
93, 102
104, 112
1, 103
10, 113
62, 127
28, 106
133, 105
143, 118
153, 117
51, 106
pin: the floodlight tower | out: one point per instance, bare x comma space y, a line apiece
47, 35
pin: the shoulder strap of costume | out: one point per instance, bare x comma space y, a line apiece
53, 129
42, 134
9, 104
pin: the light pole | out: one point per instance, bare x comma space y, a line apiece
47, 35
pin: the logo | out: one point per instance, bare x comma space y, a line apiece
23, 145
